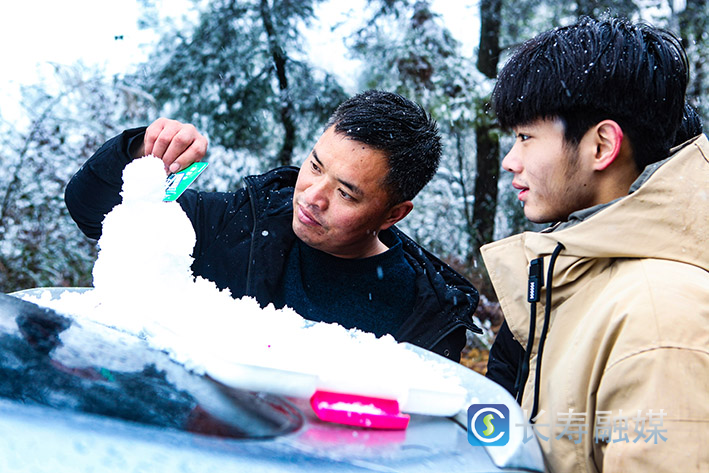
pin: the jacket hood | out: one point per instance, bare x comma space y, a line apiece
666, 216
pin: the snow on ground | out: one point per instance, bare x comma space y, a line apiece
143, 286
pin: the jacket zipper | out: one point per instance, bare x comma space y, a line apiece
252, 200
458, 323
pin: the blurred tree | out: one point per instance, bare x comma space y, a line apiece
69, 118
486, 133
693, 26
408, 50
238, 74
238, 71
595, 8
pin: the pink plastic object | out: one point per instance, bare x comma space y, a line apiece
361, 411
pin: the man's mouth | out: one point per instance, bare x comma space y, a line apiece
523, 190
307, 218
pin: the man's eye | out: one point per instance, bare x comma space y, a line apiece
314, 166
345, 195
523, 137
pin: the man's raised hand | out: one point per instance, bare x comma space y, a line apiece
177, 144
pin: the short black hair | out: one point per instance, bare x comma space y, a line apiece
597, 69
400, 128
691, 125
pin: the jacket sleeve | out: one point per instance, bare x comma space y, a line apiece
504, 359
217, 213
657, 400
655, 369
95, 188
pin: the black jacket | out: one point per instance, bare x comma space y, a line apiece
244, 237
505, 360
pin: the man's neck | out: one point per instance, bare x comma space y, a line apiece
615, 181
374, 247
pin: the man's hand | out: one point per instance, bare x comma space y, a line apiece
177, 144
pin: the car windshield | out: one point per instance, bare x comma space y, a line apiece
48, 359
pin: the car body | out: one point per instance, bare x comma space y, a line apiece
76, 398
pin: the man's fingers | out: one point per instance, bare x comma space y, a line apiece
186, 147
193, 153
152, 134
171, 138
177, 144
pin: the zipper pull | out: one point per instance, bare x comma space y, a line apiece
536, 279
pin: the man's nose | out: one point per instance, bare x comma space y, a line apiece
316, 194
511, 162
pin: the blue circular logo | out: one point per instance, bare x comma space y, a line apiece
488, 424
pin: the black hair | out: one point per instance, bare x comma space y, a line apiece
401, 129
597, 69
691, 125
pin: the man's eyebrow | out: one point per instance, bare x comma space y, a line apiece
352, 187
315, 156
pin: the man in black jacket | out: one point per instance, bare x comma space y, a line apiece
320, 239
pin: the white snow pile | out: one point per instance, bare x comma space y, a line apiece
143, 286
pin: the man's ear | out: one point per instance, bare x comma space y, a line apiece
609, 140
396, 213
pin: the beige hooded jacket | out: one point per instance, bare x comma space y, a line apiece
626, 357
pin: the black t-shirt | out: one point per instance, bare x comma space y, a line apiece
374, 294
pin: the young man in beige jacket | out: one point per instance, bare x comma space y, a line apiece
607, 345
